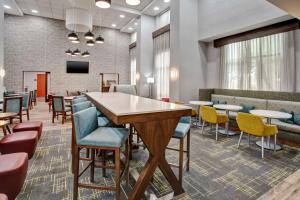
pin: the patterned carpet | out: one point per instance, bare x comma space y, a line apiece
219, 171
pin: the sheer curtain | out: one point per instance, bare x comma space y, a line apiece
266, 63
133, 66
162, 65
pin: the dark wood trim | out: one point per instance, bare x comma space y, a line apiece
132, 45
281, 27
161, 31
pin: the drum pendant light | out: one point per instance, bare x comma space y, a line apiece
103, 3
89, 35
100, 39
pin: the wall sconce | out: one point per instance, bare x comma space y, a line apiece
174, 74
137, 76
2, 73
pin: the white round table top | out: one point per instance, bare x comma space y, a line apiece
201, 103
228, 107
271, 114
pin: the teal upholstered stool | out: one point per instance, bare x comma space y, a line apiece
102, 121
88, 135
59, 108
181, 132
79, 100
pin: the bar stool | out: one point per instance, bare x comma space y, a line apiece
182, 131
13, 171
59, 108
90, 136
79, 100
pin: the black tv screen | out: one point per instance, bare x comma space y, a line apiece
77, 67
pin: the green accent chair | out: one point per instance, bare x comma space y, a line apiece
26, 103
88, 135
59, 108
79, 100
13, 104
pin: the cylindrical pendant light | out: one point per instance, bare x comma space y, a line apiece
100, 39
103, 3
133, 2
89, 35
90, 43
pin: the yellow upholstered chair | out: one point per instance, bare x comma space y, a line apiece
254, 125
210, 115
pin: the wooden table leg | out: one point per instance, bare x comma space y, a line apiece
156, 135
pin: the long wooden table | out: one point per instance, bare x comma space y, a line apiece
155, 121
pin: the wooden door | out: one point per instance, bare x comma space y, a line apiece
41, 85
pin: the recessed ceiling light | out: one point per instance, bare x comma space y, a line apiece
133, 2
135, 23
34, 11
7, 6
156, 8
166, 1
113, 25
130, 28
122, 16
103, 3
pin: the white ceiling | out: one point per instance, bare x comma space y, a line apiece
101, 17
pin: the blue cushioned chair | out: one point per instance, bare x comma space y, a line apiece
79, 100
80, 96
88, 135
26, 103
59, 108
181, 132
102, 121
13, 104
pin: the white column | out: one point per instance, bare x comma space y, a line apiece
1, 48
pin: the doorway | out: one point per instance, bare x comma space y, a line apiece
37, 80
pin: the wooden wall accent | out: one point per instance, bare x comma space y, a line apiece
280, 27
132, 45
161, 31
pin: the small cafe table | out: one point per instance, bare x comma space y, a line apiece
270, 114
7, 116
227, 108
200, 103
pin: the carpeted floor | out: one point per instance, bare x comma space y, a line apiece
219, 171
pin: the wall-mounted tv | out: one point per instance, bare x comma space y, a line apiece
77, 67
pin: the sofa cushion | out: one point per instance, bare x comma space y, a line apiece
260, 104
247, 108
286, 127
289, 121
290, 106
223, 99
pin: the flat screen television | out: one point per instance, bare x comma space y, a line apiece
77, 67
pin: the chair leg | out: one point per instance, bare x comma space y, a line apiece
53, 116
249, 139
262, 147
241, 135
21, 117
181, 149
76, 172
130, 141
127, 162
104, 163
27, 113
188, 149
275, 142
117, 173
217, 129
92, 174
63, 118
203, 124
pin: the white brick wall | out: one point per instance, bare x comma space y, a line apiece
38, 44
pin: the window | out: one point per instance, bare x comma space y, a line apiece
133, 66
162, 65
163, 19
265, 63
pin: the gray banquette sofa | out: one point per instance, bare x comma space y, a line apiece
260, 100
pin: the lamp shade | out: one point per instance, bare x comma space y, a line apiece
103, 3
69, 52
133, 2
89, 35
75, 41
90, 43
150, 80
72, 36
85, 54
77, 52
100, 39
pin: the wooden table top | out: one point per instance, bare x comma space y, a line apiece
125, 104
7, 115
3, 123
